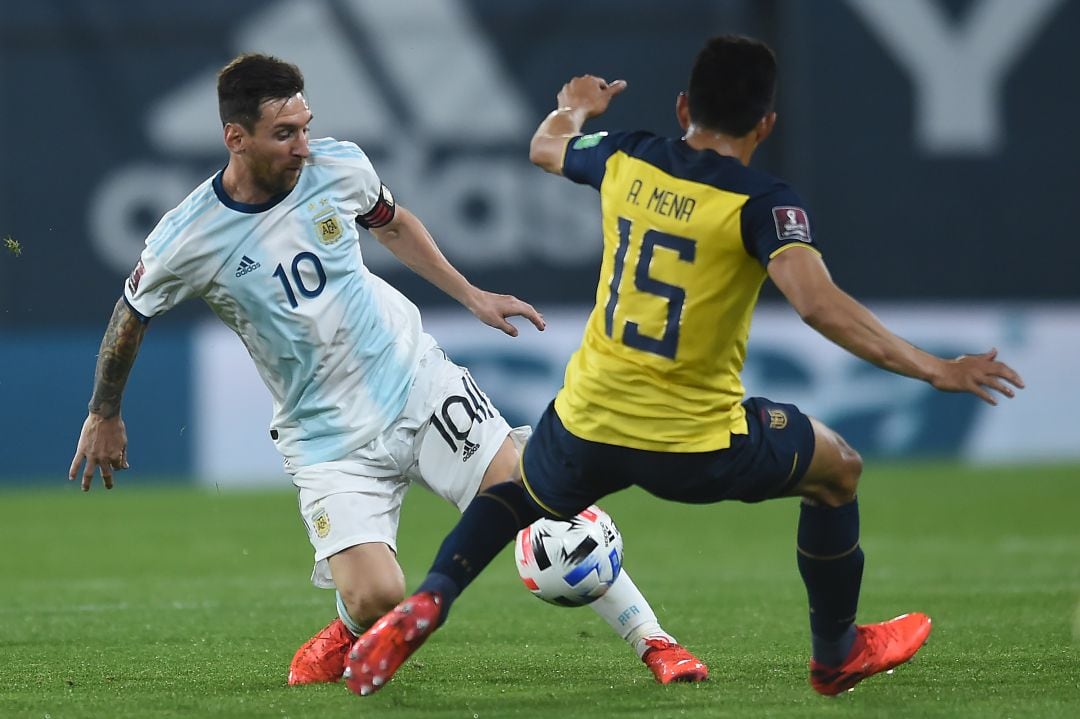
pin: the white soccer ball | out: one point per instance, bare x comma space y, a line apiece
570, 563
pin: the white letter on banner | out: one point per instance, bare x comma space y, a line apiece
957, 70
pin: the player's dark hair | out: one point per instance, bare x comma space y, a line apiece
249, 81
732, 84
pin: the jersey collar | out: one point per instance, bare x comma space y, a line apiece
246, 207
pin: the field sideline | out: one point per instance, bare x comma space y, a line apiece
167, 602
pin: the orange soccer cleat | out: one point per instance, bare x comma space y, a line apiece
378, 654
671, 662
322, 658
878, 648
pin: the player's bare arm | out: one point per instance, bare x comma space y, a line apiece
802, 277
580, 99
409, 240
103, 440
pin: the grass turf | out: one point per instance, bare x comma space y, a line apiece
162, 602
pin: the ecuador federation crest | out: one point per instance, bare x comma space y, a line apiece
328, 227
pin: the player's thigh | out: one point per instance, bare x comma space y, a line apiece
763, 463
344, 507
505, 465
563, 473
461, 441
834, 471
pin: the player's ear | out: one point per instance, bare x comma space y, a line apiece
682, 110
765, 127
234, 137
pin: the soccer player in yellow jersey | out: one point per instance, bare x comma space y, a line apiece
653, 396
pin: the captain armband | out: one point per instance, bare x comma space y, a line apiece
381, 213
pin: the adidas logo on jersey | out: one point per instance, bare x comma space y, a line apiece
247, 265
468, 450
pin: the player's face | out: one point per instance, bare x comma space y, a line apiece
276, 150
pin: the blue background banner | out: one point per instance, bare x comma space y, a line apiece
45, 382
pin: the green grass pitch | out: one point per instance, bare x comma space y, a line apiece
165, 602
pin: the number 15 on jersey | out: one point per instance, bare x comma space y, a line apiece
651, 241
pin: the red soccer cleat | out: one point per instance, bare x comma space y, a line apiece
378, 654
671, 662
878, 648
322, 658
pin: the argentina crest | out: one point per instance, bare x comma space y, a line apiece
328, 225
321, 524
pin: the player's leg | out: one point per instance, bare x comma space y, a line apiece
831, 561
369, 583
832, 477
353, 534
786, 453
355, 552
623, 606
458, 440
829, 556
488, 524
630, 615
463, 450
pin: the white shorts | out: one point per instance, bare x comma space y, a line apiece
444, 439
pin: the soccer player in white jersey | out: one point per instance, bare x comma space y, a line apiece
364, 400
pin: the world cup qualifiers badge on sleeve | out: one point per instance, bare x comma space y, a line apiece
791, 223
136, 276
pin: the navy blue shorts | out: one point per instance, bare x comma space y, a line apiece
565, 474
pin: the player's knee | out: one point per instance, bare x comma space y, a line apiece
849, 482
845, 481
369, 601
836, 469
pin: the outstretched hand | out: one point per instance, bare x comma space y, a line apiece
102, 445
978, 374
589, 93
493, 310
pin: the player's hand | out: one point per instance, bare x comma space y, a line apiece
493, 309
978, 374
589, 93
102, 445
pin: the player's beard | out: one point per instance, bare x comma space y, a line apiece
276, 183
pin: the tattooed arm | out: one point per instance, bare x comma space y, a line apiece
103, 440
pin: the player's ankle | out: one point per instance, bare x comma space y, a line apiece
834, 652
639, 637
444, 588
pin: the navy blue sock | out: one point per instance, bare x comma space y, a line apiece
489, 523
831, 565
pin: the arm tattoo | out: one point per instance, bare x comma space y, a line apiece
118, 349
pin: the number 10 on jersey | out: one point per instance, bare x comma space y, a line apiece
307, 258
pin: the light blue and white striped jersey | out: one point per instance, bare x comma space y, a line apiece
336, 345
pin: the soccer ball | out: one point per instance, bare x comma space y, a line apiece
570, 563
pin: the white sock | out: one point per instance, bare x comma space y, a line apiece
625, 609
343, 615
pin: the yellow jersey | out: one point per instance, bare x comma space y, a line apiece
687, 236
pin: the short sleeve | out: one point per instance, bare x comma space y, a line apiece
152, 289
585, 158
774, 222
371, 199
